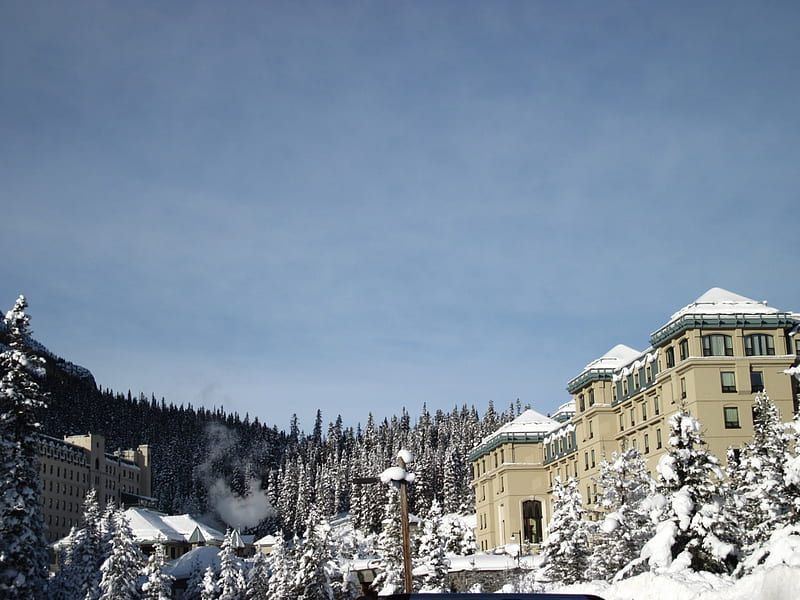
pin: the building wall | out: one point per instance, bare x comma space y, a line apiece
507, 477
70, 467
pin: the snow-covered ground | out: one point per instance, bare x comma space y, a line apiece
781, 582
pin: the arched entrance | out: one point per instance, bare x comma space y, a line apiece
532, 521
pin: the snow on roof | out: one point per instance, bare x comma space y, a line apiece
529, 421
717, 301
619, 356
151, 526
202, 558
267, 540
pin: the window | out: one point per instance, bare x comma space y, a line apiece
614, 389
581, 403
593, 459
670, 357
656, 407
728, 381
717, 344
759, 344
586, 459
591, 430
621, 421
683, 387
636, 381
625, 387
731, 417
591, 397
797, 345
633, 417
684, 349
646, 443
756, 381
648, 373
658, 438
644, 410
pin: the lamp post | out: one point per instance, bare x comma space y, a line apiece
400, 478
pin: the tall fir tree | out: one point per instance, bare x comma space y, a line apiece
691, 483
618, 541
761, 502
78, 575
432, 552
314, 563
390, 548
258, 578
119, 572
209, 590
231, 582
566, 546
23, 545
282, 568
157, 584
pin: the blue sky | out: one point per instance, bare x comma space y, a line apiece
358, 206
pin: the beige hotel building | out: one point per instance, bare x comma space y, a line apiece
70, 467
711, 357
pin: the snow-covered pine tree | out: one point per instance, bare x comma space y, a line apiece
230, 582
23, 545
79, 570
314, 564
760, 502
157, 584
258, 578
625, 484
566, 546
119, 572
455, 493
454, 535
432, 551
209, 589
282, 567
690, 482
390, 548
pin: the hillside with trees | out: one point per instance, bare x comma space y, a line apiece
204, 457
